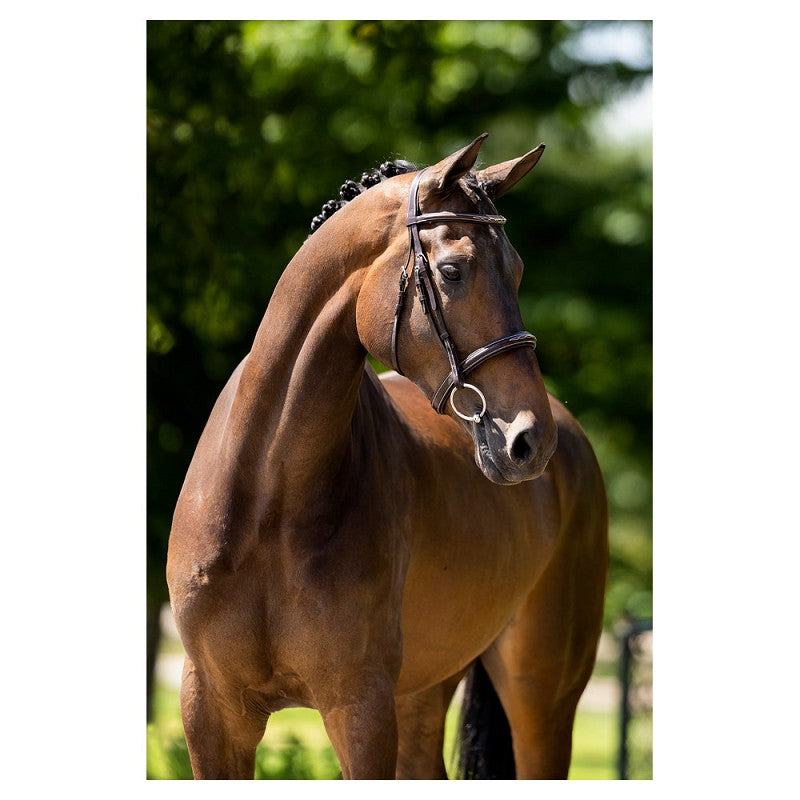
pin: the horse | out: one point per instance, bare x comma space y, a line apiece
359, 544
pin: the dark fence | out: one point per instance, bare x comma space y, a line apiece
636, 707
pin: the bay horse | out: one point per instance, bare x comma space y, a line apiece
358, 544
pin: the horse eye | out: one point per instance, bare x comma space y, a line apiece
450, 273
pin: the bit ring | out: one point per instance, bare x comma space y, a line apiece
476, 417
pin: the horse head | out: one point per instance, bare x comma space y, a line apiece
458, 335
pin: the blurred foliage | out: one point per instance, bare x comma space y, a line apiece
295, 747
252, 126
288, 759
294, 760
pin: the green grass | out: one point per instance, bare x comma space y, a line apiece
594, 746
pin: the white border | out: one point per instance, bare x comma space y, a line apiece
73, 343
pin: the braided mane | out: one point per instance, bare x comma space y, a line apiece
351, 189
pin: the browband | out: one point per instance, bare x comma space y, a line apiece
449, 216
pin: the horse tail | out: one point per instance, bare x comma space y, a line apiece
484, 737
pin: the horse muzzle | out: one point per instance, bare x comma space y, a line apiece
509, 453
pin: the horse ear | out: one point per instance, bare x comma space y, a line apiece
443, 176
497, 180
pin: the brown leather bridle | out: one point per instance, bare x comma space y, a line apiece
431, 306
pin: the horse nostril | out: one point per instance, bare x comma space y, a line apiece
521, 449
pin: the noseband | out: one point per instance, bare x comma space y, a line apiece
431, 306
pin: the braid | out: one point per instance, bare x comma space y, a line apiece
350, 189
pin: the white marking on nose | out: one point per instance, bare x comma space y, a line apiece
519, 437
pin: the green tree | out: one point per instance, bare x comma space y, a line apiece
251, 126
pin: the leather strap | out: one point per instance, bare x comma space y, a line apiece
431, 302
452, 216
477, 357
401, 299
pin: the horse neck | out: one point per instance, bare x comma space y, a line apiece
292, 416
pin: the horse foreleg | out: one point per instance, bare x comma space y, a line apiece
362, 727
221, 742
543, 660
420, 721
